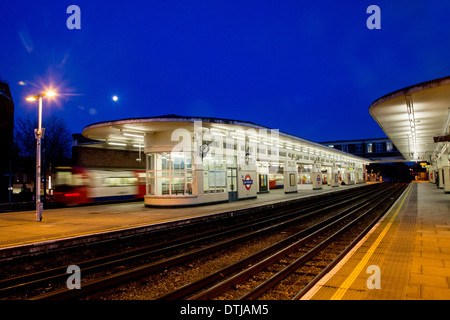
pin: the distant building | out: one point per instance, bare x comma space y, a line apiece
90, 153
7, 134
387, 163
379, 149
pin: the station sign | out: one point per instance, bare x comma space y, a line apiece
247, 181
441, 138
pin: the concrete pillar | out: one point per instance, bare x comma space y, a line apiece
316, 176
441, 178
431, 175
334, 181
446, 178
346, 176
290, 177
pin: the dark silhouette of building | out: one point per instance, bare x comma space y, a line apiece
379, 149
388, 162
7, 136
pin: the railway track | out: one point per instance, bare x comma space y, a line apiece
270, 267
191, 248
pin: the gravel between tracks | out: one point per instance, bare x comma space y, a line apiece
158, 284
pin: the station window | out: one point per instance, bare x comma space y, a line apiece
304, 174
169, 173
379, 147
120, 181
389, 146
369, 148
358, 148
214, 175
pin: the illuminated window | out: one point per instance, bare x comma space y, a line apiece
169, 174
214, 175
304, 174
119, 181
369, 148
389, 146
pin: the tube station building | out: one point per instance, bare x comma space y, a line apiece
194, 161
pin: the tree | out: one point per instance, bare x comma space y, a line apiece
56, 144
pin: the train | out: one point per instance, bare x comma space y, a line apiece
276, 181
77, 185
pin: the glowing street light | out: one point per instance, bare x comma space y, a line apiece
39, 135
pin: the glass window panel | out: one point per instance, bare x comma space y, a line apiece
164, 183
170, 174
165, 161
177, 186
152, 186
177, 173
188, 162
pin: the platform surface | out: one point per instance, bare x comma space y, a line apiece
411, 248
21, 228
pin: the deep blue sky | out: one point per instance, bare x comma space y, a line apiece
309, 68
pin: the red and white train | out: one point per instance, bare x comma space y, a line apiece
76, 185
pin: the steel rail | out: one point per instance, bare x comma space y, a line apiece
14, 285
147, 269
194, 286
341, 255
288, 270
255, 268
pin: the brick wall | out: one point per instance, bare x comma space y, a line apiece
107, 158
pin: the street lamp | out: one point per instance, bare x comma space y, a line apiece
38, 133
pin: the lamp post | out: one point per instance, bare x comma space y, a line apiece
38, 133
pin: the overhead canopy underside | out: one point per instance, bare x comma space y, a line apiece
413, 116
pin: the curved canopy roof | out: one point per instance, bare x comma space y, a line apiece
122, 131
412, 117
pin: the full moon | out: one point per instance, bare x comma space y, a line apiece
115, 98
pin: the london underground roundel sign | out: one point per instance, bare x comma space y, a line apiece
247, 181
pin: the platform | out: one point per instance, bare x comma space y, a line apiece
20, 231
411, 247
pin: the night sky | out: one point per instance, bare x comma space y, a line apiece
309, 68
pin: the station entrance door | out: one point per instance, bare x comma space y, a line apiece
232, 184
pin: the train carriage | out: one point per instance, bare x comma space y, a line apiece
75, 185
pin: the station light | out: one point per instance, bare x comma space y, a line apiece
217, 132
117, 143
48, 93
38, 136
412, 124
133, 135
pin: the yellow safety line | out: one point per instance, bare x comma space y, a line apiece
352, 277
